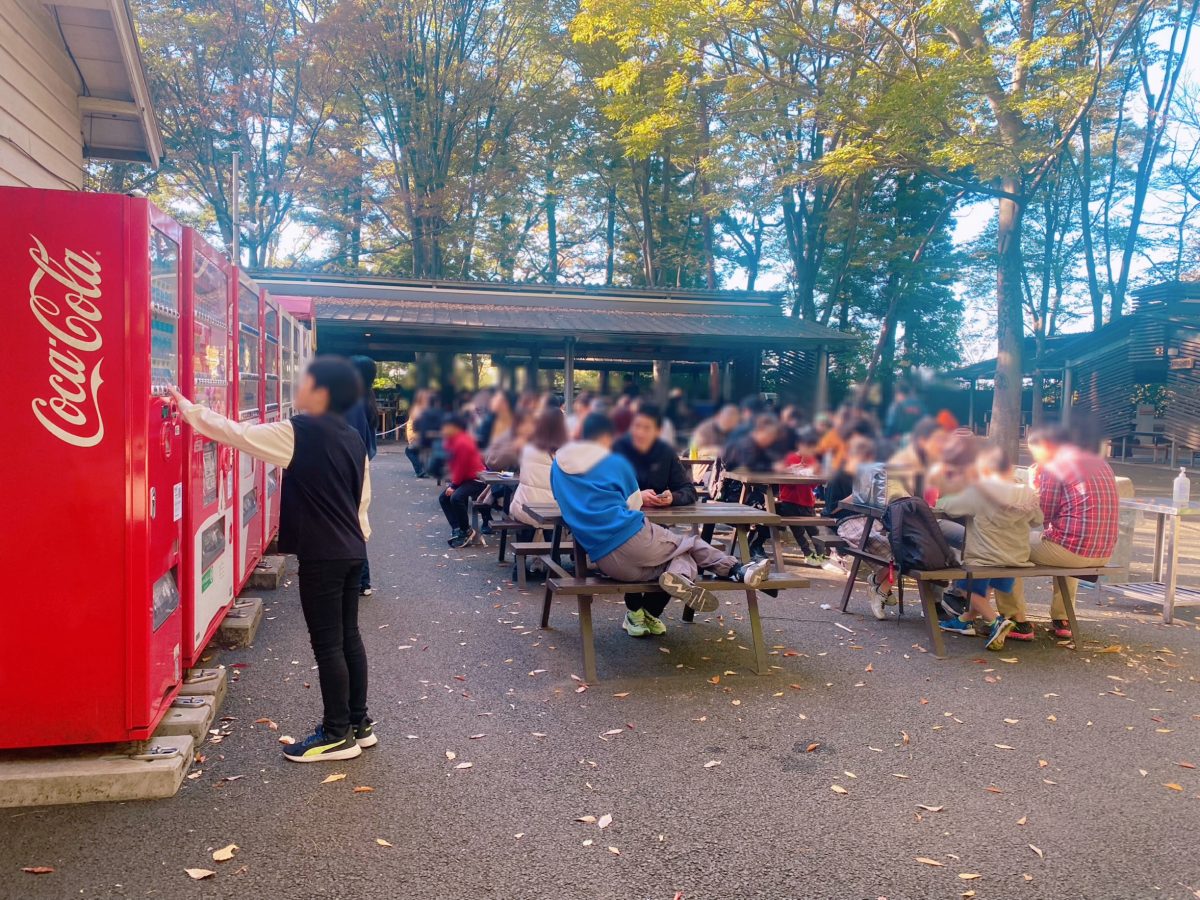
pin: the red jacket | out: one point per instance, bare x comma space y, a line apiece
800, 494
465, 461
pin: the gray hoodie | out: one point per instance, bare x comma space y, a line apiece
1003, 512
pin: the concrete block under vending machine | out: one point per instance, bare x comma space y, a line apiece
268, 573
188, 715
147, 770
240, 624
212, 683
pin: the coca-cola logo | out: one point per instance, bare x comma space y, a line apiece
62, 296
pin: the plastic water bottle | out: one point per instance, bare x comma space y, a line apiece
1183, 488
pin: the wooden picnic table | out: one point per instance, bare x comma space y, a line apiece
704, 515
1163, 588
772, 481
510, 479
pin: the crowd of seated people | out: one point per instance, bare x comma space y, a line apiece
1062, 511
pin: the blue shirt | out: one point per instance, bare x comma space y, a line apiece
595, 502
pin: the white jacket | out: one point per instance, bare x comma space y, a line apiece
535, 483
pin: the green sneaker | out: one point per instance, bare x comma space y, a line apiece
635, 623
654, 624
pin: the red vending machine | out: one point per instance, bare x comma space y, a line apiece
208, 563
272, 377
249, 397
93, 492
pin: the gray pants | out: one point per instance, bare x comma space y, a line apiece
655, 550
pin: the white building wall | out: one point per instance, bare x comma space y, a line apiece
41, 140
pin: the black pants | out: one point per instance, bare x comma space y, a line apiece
455, 504
806, 535
329, 598
364, 581
653, 602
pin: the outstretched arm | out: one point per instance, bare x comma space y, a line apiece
274, 442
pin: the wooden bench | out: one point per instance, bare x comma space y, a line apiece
503, 527
586, 589
930, 595
539, 550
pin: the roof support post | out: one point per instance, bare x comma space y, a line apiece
1068, 390
821, 392
662, 382
605, 376
727, 382
531, 371
568, 373
714, 382
971, 403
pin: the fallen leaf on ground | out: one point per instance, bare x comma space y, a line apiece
464, 765
37, 870
225, 854
200, 874
925, 860
451, 755
363, 789
329, 779
604, 821
1022, 820
588, 842
969, 876
622, 695
811, 747
1172, 786
711, 763
838, 789
612, 731
382, 843
587, 820
614, 851
287, 739
930, 808
1003, 747
1038, 851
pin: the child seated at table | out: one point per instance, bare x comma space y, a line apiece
465, 464
860, 451
1002, 511
799, 500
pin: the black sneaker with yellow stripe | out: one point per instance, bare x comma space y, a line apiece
321, 747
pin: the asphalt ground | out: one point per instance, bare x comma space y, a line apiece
862, 768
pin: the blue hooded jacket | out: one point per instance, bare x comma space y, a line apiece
598, 495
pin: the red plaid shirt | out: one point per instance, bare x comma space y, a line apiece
1079, 499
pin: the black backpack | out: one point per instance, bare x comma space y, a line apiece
917, 541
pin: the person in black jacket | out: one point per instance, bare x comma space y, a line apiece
324, 498
660, 474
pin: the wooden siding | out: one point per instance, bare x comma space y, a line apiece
41, 140
1182, 421
1104, 388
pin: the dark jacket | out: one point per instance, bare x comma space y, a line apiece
360, 421
839, 488
658, 470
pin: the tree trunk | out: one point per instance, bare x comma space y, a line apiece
610, 232
551, 227
1006, 400
1085, 224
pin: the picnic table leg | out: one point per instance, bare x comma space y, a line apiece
1160, 530
522, 581
547, 598
929, 604
1061, 582
556, 544
853, 576
587, 639
774, 531
1172, 573
761, 666
503, 552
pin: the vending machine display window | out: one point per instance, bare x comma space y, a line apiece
288, 374
210, 338
249, 371
164, 311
